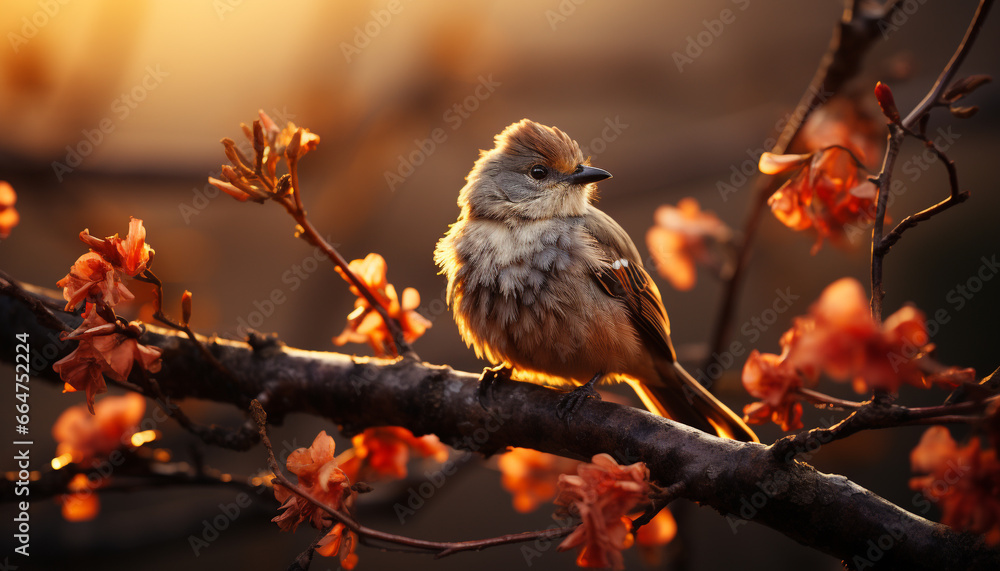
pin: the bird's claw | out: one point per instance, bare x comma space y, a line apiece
572, 401
490, 377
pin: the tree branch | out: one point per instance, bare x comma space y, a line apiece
827, 512
853, 36
897, 132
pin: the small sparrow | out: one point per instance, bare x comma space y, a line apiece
551, 289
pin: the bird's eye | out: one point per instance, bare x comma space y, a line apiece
538, 172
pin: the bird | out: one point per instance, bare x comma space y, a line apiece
551, 290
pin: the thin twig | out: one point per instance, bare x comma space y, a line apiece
944, 80
440, 548
954, 198
660, 500
436, 399
882, 182
239, 439
852, 36
826, 400
292, 202
309, 234
876, 414
897, 132
149, 277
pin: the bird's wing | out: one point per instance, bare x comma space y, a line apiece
622, 276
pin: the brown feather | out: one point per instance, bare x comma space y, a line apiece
540, 279
527, 138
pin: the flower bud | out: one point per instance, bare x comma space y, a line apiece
886, 101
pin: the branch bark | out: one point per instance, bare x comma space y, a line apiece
827, 512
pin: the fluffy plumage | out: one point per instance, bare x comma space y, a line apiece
541, 280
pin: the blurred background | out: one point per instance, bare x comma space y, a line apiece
115, 109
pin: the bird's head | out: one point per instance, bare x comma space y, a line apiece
534, 172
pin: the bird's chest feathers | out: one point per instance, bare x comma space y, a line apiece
522, 260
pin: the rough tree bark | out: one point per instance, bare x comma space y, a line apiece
824, 511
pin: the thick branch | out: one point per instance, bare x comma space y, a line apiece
827, 512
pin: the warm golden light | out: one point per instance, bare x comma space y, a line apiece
82, 505
62, 460
140, 438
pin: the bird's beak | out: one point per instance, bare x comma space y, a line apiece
585, 174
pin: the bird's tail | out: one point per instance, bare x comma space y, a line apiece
680, 397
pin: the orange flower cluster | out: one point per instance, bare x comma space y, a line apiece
601, 494
289, 142
97, 275
839, 337
104, 347
964, 482
340, 540
82, 504
279, 139
828, 192
366, 325
386, 450
102, 350
318, 473
681, 237
85, 439
769, 378
8, 215
532, 476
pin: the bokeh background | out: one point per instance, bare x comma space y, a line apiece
167, 80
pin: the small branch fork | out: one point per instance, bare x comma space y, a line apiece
853, 35
838, 518
391, 541
917, 119
286, 192
873, 414
242, 438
